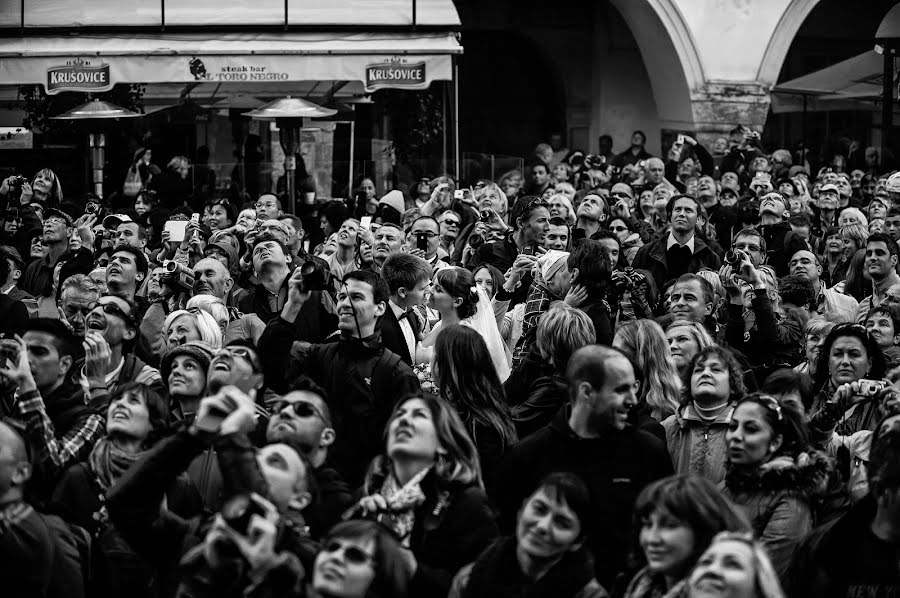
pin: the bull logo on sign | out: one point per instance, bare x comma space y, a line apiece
198, 69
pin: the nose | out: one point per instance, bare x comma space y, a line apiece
543, 523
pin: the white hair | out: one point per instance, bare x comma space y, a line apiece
210, 333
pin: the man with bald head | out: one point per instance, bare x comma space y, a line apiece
594, 441
831, 305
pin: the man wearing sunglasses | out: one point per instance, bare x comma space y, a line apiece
236, 364
111, 333
301, 419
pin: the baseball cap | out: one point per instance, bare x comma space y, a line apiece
53, 212
113, 221
828, 187
13, 254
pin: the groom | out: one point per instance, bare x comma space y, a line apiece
407, 278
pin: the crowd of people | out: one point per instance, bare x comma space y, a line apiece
605, 375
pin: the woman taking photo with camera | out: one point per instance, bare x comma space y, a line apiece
546, 556
427, 488
678, 517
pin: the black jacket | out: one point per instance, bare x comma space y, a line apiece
313, 323
333, 498
363, 380
13, 315
392, 335
781, 245
615, 468
652, 257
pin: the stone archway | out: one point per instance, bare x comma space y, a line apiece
781, 39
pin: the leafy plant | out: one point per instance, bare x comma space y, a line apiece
417, 123
39, 107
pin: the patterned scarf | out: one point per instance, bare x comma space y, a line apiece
108, 462
402, 502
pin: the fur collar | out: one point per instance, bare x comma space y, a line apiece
806, 475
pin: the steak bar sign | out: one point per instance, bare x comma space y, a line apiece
396, 73
78, 75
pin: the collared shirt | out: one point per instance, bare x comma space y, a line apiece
408, 334
671, 242
75, 446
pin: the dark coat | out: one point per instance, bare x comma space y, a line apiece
392, 335
615, 468
333, 498
313, 323
652, 257
13, 315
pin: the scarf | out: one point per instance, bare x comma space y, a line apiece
402, 502
108, 462
497, 574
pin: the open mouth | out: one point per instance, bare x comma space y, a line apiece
119, 415
403, 434
96, 324
221, 366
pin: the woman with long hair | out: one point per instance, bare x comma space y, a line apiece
546, 556
857, 283
734, 565
686, 339
458, 300
646, 343
466, 379
695, 434
136, 419
678, 517
427, 489
773, 474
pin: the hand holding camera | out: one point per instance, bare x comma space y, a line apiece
246, 526
226, 412
863, 391
297, 294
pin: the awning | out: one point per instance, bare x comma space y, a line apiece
848, 85
95, 63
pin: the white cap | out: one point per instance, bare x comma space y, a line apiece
113, 221
893, 183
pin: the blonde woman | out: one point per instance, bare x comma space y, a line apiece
645, 342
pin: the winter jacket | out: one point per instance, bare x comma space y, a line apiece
652, 257
774, 341
362, 379
548, 394
333, 497
779, 498
844, 558
615, 467
697, 447
497, 574
116, 569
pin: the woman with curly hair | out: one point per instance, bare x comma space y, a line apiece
645, 342
695, 434
773, 474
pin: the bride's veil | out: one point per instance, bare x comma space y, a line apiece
486, 324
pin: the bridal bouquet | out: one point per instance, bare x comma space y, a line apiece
426, 381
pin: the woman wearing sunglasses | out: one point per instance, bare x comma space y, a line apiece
546, 556
427, 488
773, 474
136, 419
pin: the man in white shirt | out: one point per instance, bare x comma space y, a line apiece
407, 277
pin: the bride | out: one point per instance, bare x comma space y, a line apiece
458, 300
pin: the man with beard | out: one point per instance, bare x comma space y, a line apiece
681, 251
301, 419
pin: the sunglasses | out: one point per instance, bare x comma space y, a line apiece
113, 310
618, 229
243, 353
299, 408
353, 554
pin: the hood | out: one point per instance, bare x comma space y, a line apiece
806, 475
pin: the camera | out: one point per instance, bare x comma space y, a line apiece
476, 240
92, 207
870, 388
238, 510
626, 279
177, 275
314, 276
733, 258
485, 216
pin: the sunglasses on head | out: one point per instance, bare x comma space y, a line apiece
353, 554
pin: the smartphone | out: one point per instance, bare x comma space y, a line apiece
459, 194
195, 218
365, 222
680, 140
422, 242
176, 230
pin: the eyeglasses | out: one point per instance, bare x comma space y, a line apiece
353, 554
243, 353
618, 229
425, 233
113, 310
299, 408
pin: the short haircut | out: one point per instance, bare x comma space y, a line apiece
587, 365
890, 310
432, 218
380, 291
797, 289
569, 489
893, 212
670, 205
404, 270
81, 283
705, 288
561, 331
64, 340
889, 242
592, 261
140, 260
750, 232
306, 384
296, 222
800, 220
785, 380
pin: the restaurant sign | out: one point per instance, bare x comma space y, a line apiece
396, 73
78, 75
